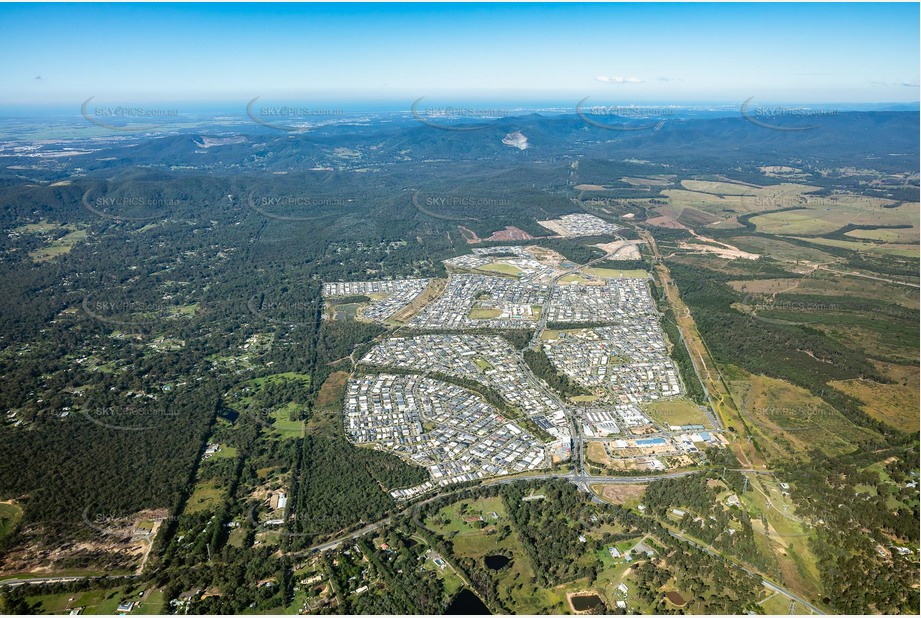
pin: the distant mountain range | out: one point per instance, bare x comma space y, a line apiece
771, 135
846, 137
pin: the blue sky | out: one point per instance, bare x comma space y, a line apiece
679, 53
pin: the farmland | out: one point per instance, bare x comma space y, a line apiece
99, 602
677, 412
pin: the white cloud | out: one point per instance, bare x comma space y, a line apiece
896, 84
618, 80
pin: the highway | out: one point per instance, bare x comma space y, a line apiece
767, 583
580, 480
12, 583
577, 479
583, 481
577, 476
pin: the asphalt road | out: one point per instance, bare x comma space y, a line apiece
54, 580
767, 583
583, 480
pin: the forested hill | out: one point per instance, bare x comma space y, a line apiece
839, 138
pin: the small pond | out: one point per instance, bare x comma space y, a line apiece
467, 603
585, 602
675, 598
497, 562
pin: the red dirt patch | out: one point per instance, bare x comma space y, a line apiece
665, 222
675, 598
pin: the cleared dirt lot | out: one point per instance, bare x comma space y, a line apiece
621, 493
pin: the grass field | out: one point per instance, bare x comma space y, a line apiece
779, 605
206, 495
472, 542
284, 426
825, 283
718, 188
782, 250
573, 278
99, 602
611, 273
152, 602
187, 309
41, 227
902, 235
481, 313
701, 203
904, 250
226, 452
797, 222
10, 514
58, 246
827, 214
723, 198
780, 534
237, 537
885, 235
895, 404
452, 582
677, 412
550, 334
649, 181
788, 421
450, 521
326, 417
501, 268
710, 205
287, 375
482, 363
